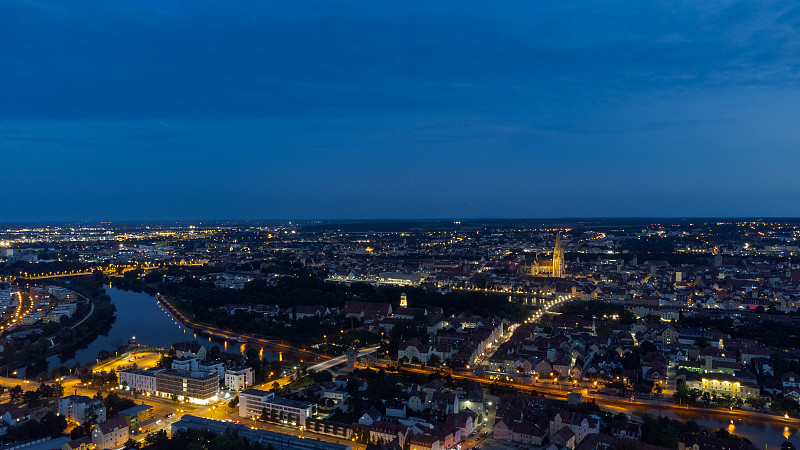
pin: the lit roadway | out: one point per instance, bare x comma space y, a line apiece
24, 306
143, 360
620, 404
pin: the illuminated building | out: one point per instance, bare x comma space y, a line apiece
553, 268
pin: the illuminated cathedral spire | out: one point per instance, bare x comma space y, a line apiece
558, 258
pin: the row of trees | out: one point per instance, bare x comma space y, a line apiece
34, 398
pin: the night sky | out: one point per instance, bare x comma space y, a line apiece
302, 110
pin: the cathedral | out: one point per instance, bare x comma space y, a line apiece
554, 268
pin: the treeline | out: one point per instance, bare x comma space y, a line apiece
290, 291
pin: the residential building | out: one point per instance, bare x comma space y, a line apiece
265, 438
140, 380
111, 433
254, 402
239, 378
80, 408
196, 387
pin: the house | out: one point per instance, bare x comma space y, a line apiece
110, 434
381, 431
417, 401
464, 421
444, 402
395, 410
414, 351
338, 397
84, 443
564, 438
367, 310
372, 415
527, 433
791, 383
433, 387
14, 416
424, 442
580, 424
304, 311
502, 430
561, 365
543, 367
668, 335
626, 430
189, 350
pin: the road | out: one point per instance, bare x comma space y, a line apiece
144, 359
620, 404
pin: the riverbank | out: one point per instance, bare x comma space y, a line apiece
302, 354
94, 316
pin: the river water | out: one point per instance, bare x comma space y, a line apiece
141, 317
763, 434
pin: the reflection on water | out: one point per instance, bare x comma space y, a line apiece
142, 316
760, 432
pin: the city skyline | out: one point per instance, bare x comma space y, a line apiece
149, 111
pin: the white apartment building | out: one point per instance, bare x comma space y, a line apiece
80, 407
239, 379
139, 380
253, 401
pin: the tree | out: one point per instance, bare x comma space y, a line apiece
156, 438
77, 433
15, 393
234, 402
31, 398
131, 444
114, 403
434, 360
213, 353
787, 446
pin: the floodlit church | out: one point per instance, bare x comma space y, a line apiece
554, 268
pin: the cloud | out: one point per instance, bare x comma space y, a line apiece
329, 58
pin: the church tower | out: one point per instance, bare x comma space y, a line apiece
558, 258
403, 300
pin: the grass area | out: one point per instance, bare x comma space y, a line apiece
301, 383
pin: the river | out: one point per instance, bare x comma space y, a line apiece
141, 317
760, 432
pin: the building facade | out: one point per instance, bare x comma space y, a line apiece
239, 379
196, 387
254, 402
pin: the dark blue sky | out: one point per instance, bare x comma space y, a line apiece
203, 110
